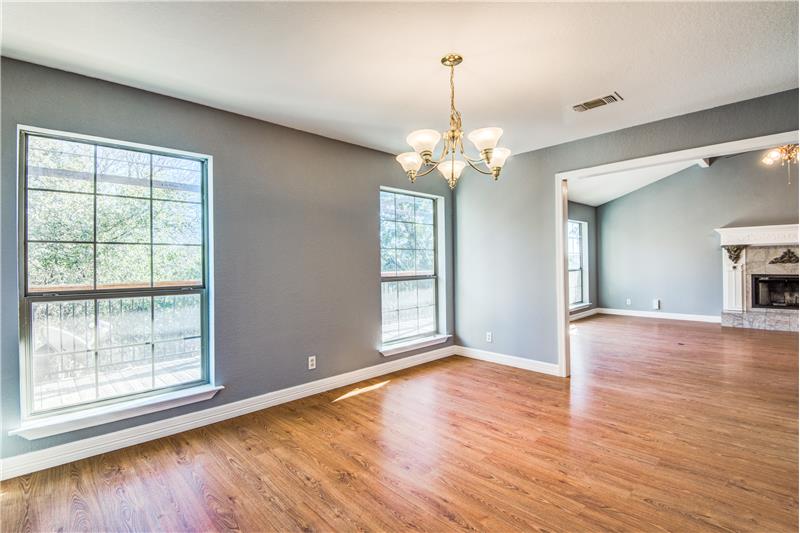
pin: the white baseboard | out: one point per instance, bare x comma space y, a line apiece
509, 360
583, 314
716, 319
73, 451
26, 463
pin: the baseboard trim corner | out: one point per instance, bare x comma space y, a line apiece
583, 314
715, 319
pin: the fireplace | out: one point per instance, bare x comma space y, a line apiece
775, 291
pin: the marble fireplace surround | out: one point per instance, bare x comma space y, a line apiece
756, 250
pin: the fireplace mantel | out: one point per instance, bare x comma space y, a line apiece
759, 235
743, 249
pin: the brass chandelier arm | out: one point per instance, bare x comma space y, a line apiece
469, 162
468, 158
426, 172
435, 164
446, 149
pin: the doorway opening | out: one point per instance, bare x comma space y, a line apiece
603, 183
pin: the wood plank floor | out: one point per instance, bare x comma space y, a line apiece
664, 426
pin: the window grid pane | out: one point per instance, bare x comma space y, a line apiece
88, 350
575, 261
90, 224
408, 243
110, 199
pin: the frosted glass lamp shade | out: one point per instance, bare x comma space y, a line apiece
451, 169
485, 138
423, 141
774, 154
410, 161
767, 160
499, 156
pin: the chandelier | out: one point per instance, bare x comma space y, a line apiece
786, 154
453, 160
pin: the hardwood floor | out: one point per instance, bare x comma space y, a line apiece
664, 426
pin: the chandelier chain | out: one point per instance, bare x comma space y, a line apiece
455, 116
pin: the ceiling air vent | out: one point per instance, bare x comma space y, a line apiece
598, 102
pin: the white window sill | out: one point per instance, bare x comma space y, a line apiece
39, 427
579, 306
388, 350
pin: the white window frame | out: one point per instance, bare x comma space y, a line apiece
439, 336
584, 268
37, 425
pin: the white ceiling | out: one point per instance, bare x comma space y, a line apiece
602, 188
368, 73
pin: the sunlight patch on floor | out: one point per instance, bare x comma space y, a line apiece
361, 390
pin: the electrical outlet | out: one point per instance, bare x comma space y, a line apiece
312, 362
657, 303
489, 336
627, 301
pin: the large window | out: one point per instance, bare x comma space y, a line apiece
577, 261
113, 271
408, 266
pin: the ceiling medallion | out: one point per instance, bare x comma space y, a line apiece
786, 154
424, 143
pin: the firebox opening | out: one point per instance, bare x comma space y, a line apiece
775, 291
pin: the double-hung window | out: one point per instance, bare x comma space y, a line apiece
577, 261
114, 271
408, 235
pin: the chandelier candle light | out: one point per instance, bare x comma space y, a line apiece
424, 143
786, 154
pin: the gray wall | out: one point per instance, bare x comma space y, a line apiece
505, 238
296, 234
588, 214
659, 241
288, 203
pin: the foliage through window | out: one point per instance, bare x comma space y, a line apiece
113, 271
408, 266
577, 262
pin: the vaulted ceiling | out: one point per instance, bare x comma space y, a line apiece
602, 188
368, 73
